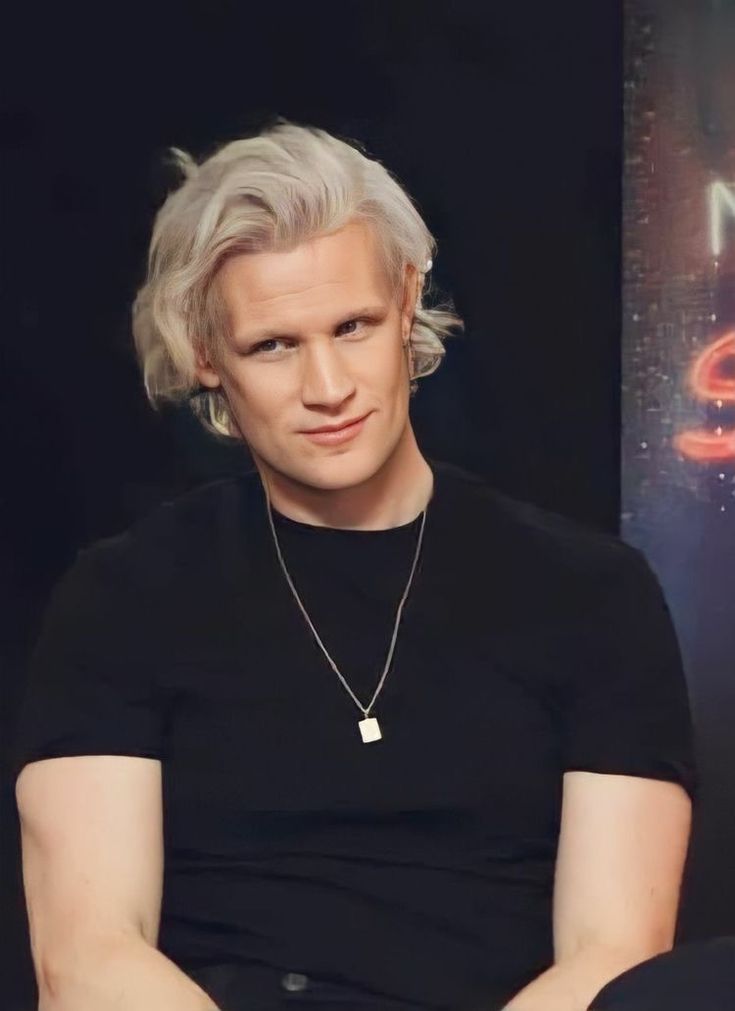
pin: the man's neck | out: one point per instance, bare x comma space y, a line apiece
392, 497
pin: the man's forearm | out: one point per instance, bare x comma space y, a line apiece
572, 983
124, 975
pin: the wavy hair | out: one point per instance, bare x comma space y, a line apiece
266, 193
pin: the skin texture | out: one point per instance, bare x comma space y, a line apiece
92, 856
326, 368
622, 847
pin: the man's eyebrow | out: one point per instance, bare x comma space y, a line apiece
270, 333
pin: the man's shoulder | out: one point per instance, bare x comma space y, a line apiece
180, 532
525, 530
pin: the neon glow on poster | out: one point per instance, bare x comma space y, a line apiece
678, 369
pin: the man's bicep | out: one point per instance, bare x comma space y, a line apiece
622, 847
92, 851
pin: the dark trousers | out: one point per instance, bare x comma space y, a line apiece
236, 987
696, 976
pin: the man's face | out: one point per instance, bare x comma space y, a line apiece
316, 339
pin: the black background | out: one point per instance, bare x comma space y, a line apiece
504, 122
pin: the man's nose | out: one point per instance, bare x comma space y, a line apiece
325, 378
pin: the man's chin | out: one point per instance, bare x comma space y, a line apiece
326, 471
335, 471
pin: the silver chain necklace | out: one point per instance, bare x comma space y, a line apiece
369, 726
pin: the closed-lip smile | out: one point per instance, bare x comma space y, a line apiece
333, 428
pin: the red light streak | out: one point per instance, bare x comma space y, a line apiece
708, 381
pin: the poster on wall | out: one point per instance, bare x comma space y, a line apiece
678, 377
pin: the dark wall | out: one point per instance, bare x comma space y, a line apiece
504, 122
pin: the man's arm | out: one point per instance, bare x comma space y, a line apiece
570, 985
92, 849
125, 974
622, 848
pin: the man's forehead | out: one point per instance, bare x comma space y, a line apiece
257, 292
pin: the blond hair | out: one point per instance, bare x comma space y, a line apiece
268, 192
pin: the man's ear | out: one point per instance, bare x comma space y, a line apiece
410, 294
205, 372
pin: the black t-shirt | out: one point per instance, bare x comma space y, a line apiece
419, 866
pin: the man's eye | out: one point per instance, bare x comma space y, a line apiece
349, 322
264, 345
267, 348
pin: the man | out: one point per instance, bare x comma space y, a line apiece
353, 728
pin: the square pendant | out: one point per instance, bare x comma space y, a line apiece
370, 730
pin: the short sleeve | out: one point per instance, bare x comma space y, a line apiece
626, 706
89, 686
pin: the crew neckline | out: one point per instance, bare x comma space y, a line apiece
284, 522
